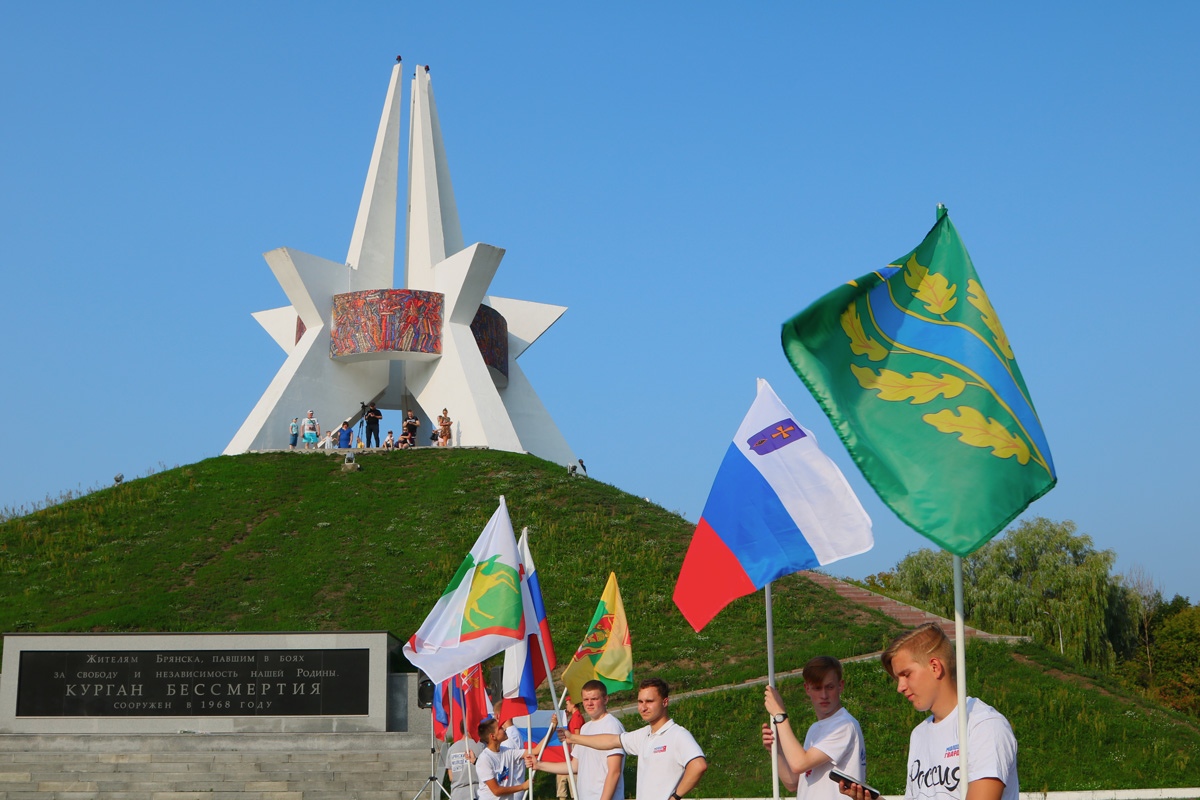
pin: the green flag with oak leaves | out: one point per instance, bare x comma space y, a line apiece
913, 368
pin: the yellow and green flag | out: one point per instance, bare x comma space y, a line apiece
919, 379
481, 612
607, 651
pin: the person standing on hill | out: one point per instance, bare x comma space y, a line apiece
444, 422
293, 433
311, 429
670, 763
373, 416
345, 436
834, 741
408, 435
922, 663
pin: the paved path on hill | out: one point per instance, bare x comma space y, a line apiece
903, 613
906, 615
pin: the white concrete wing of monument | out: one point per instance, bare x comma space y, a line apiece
281, 324
532, 422
309, 378
526, 319
460, 380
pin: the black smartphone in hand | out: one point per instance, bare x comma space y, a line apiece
840, 777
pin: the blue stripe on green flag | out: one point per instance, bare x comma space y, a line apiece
918, 377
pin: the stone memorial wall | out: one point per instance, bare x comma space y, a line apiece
207, 682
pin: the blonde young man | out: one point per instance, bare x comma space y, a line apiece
601, 772
922, 662
835, 740
670, 763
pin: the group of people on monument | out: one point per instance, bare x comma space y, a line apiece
308, 432
830, 763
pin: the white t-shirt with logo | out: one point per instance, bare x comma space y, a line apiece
593, 764
506, 767
839, 737
661, 756
933, 766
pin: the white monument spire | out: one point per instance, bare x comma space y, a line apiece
440, 339
373, 243
433, 231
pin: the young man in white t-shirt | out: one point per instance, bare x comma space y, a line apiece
601, 772
501, 772
923, 664
834, 741
670, 763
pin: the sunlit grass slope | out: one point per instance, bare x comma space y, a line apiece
289, 541
284, 541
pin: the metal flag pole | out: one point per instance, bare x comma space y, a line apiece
554, 698
771, 683
960, 660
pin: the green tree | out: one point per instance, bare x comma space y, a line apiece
1178, 647
1040, 579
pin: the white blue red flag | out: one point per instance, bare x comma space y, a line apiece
524, 669
544, 726
778, 505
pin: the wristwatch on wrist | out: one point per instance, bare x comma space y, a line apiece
779, 718
675, 796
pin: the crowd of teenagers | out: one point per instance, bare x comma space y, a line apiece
307, 432
829, 764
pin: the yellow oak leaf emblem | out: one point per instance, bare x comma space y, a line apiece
860, 343
931, 288
977, 297
920, 386
975, 429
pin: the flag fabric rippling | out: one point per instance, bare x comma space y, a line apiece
777, 505
481, 612
606, 653
918, 377
544, 728
524, 669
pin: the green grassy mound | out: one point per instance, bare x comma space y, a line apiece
283, 541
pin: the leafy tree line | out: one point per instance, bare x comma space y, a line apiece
1044, 580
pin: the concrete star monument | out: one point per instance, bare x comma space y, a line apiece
438, 341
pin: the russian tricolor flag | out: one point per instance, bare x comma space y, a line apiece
778, 505
543, 728
524, 669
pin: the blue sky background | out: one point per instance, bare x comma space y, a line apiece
684, 177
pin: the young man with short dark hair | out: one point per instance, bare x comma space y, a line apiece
501, 772
670, 763
834, 741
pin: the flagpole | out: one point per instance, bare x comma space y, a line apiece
553, 694
771, 682
960, 658
466, 736
529, 740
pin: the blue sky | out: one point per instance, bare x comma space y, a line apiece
684, 177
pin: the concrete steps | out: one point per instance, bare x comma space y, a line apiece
372, 766
903, 613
